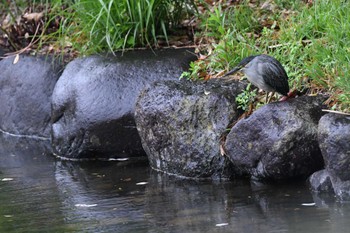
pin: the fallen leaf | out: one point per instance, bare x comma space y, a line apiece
34, 16
202, 57
16, 59
222, 150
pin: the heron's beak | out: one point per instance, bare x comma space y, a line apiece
235, 70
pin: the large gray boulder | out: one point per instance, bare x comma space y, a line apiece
94, 100
25, 95
334, 140
181, 124
278, 141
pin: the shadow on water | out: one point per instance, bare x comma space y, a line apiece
41, 194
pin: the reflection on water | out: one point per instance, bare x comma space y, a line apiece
41, 194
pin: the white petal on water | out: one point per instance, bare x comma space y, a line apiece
6, 179
118, 159
141, 183
122, 159
85, 205
221, 224
309, 204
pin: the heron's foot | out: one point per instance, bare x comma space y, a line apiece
291, 94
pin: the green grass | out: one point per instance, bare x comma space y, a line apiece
312, 42
94, 26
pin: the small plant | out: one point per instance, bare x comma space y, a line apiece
247, 97
196, 70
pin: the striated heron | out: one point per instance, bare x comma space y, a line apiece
265, 72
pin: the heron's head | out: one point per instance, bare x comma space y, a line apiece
243, 64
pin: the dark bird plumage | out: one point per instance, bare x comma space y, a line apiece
265, 72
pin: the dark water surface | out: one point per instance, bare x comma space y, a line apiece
39, 193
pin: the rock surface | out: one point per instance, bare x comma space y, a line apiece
93, 102
180, 124
278, 141
320, 181
25, 95
334, 139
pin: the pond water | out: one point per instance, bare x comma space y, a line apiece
39, 193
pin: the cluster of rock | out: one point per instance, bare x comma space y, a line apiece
334, 139
103, 107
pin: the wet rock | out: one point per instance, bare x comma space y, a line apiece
334, 140
25, 95
180, 124
94, 99
320, 181
278, 141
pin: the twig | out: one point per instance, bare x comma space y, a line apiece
278, 45
284, 44
28, 46
8, 37
338, 112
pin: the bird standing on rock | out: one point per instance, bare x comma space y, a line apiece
265, 72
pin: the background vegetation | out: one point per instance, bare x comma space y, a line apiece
310, 38
93, 26
108, 25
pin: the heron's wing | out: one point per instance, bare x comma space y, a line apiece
275, 76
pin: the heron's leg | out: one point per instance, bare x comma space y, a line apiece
268, 100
